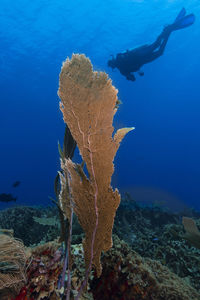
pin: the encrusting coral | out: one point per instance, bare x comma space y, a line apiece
89, 103
128, 276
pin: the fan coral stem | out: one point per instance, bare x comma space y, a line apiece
96, 224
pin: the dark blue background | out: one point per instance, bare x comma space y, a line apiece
160, 160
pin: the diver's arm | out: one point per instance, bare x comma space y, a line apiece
152, 47
129, 76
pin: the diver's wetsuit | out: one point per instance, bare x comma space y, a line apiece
132, 60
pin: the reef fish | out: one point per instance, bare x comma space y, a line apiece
7, 197
16, 183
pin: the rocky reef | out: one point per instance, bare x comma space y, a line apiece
150, 258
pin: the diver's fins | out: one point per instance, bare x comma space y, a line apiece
182, 20
181, 14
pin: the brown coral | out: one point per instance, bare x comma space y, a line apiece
192, 232
12, 266
88, 103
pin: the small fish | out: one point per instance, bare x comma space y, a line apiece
16, 183
155, 239
7, 197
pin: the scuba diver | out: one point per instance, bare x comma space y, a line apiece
132, 60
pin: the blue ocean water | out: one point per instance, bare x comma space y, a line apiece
160, 160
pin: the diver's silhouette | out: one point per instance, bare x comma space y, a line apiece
132, 60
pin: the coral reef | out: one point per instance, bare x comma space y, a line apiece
128, 276
12, 266
89, 103
43, 271
157, 233
192, 232
125, 276
56, 270
34, 225
22, 220
152, 232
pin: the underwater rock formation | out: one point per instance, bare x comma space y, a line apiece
22, 220
128, 276
125, 276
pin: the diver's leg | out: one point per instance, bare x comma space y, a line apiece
161, 49
161, 39
156, 44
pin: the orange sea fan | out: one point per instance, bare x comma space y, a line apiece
88, 103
